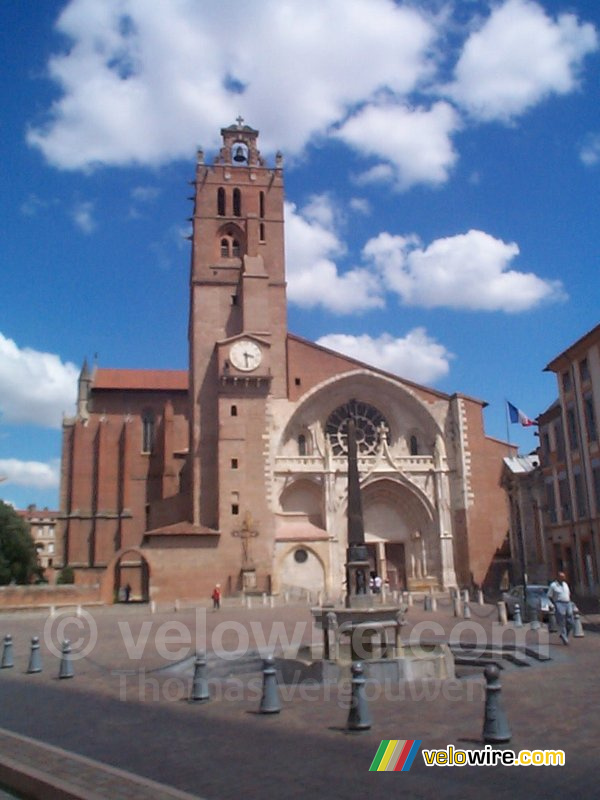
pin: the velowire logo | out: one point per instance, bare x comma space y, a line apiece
395, 755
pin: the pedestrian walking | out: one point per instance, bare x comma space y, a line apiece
216, 597
560, 594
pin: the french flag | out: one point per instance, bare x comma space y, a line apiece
516, 415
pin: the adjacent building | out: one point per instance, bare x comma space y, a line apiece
570, 464
43, 527
234, 471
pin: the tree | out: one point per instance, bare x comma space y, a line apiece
18, 556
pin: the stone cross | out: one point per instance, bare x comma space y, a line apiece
246, 533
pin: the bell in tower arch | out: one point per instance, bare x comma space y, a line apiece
240, 155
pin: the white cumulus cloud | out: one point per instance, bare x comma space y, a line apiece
415, 143
519, 56
34, 474
416, 356
35, 387
145, 82
313, 277
467, 271
589, 151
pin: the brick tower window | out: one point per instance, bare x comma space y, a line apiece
237, 203
224, 248
221, 202
147, 432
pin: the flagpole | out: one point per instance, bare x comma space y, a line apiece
507, 421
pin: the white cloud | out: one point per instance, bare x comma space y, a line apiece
34, 474
589, 152
35, 387
467, 271
416, 357
313, 278
360, 205
145, 82
83, 216
519, 56
415, 142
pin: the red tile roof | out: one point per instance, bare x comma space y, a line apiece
144, 379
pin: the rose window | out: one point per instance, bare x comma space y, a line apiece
370, 423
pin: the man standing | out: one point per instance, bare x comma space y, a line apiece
560, 594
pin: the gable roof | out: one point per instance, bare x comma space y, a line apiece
153, 380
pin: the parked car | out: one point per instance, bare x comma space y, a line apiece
538, 602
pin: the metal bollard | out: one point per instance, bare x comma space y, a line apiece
433, 602
480, 598
517, 621
200, 692
466, 609
427, 602
409, 599
269, 703
35, 659
7, 653
502, 615
66, 665
495, 725
456, 606
552, 626
465, 596
577, 626
359, 718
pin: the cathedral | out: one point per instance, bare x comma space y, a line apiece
234, 472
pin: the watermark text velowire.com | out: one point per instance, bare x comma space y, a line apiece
230, 640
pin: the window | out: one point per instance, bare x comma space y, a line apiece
302, 445
550, 501
261, 200
580, 496
584, 370
221, 202
233, 411
300, 556
147, 432
566, 381
560, 441
224, 248
234, 463
297, 382
261, 231
572, 429
237, 203
414, 446
235, 249
369, 422
590, 418
235, 509
565, 501
596, 480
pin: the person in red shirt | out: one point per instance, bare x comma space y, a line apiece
216, 597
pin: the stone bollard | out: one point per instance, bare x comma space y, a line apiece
480, 598
409, 599
502, 615
552, 626
399, 624
269, 703
456, 607
7, 653
66, 665
433, 602
495, 725
427, 602
359, 718
35, 659
466, 609
330, 627
577, 626
517, 621
272, 601
264, 599
200, 692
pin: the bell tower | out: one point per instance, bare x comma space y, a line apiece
237, 327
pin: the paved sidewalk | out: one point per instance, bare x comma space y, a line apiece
141, 722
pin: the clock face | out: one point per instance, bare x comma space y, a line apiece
245, 355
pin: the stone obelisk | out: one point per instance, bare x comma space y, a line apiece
357, 559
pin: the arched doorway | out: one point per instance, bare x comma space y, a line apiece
132, 570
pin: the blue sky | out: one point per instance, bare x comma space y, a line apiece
442, 167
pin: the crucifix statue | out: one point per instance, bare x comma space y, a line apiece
246, 533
